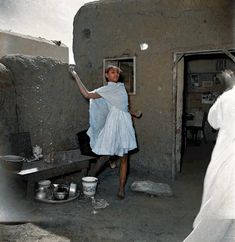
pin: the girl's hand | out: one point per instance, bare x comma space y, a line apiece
72, 72
137, 114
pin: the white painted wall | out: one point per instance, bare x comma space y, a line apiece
50, 19
13, 43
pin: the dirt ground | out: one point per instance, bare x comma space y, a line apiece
138, 218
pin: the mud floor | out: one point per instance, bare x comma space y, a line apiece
138, 218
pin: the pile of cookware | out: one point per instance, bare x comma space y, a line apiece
47, 191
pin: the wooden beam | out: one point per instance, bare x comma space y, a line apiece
178, 59
229, 54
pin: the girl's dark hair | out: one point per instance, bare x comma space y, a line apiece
109, 67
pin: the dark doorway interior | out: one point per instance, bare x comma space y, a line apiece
202, 86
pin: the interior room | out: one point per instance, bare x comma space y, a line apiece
202, 86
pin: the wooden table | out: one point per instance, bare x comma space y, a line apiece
35, 171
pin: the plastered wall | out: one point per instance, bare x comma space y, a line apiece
8, 120
116, 28
49, 105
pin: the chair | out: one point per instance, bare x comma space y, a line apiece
196, 124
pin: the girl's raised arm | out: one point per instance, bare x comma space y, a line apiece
81, 86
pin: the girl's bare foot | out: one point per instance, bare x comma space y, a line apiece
121, 194
112, 164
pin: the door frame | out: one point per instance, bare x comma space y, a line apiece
178, 107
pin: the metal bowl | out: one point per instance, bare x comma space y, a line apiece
61, 192
12, 163
60, 195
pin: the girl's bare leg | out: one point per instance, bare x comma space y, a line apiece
122, 177
113, 162
99, 165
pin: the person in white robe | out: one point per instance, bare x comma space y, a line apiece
111, 129
214, 221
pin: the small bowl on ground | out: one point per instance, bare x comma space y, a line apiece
61, 192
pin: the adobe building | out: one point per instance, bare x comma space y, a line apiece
172, 53
14, 43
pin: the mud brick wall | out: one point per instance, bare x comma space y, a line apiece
45, 102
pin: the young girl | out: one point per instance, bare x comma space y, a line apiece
111, 130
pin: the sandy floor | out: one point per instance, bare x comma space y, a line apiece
138, 218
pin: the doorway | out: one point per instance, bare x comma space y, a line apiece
197, 85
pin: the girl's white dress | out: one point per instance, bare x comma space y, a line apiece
111, 130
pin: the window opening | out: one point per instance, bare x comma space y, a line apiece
128, 67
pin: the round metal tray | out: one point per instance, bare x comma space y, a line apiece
70, 198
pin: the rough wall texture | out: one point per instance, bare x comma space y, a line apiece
8, 118
116, 28
49, 105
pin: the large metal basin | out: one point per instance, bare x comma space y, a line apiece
12, 163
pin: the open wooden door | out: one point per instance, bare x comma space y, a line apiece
178, 100
178, 79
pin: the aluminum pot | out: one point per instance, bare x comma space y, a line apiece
61, 192
72, 189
